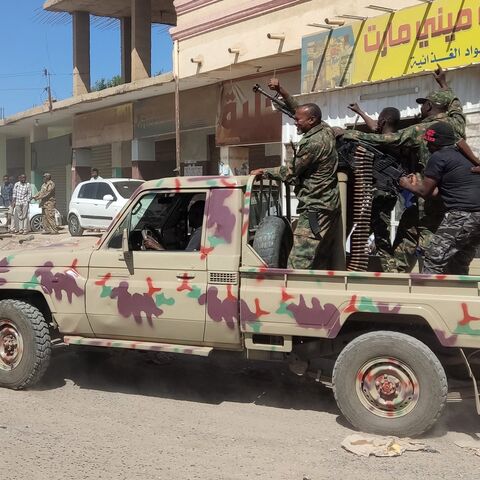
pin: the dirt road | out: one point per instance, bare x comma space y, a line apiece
122, 417
105, 416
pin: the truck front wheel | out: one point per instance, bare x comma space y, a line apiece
389, 383
25, 345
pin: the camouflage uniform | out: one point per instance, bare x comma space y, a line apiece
46, 195
454, 244
422, 219
313, 172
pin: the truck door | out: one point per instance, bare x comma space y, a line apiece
151, 295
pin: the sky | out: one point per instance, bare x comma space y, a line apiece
34, 40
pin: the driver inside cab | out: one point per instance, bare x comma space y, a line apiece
195, 221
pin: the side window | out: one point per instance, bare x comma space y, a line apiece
89, 190
116, 239
172, 220
104, 189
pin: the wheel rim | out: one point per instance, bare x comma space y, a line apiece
11, 345
37, 224
74, 224
387, 387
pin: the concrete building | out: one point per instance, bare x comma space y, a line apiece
221, 48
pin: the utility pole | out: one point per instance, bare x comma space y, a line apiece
48, 88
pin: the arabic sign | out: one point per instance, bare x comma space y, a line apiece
416, 39
246, 118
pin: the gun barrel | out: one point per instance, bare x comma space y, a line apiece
280, 105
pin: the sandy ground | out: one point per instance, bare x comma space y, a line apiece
116, 415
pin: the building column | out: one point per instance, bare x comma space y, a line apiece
81, 161
81, 53
3, 155
122, 160
141, 39
28, 159
143, 158
37, 134
126, 48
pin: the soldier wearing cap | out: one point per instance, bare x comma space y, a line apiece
46, 195
453, 246
420, 221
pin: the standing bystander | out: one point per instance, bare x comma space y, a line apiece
22, 194
46, 195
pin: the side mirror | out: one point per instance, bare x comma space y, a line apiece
108, 198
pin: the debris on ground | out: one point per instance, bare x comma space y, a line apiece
367, 445
27, 239
471, 444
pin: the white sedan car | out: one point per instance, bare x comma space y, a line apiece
94, 204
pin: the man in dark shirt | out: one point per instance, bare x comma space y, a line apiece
453, 246
6, 193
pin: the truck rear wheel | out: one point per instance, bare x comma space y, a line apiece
389, 383
25, 345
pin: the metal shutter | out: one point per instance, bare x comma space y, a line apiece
102, 159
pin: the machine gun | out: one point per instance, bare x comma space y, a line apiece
386, 169
282, 106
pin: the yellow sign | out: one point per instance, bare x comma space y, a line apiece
416, 39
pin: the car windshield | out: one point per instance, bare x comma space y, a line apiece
127, 188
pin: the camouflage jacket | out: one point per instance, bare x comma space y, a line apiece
411, 138
46, 195
313, 171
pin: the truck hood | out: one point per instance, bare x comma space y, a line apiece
61, 254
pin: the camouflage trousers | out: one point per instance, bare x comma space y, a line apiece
417, 226
453, 247
382, 207
48, 218
323, 251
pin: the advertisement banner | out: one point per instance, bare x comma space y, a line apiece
412, 40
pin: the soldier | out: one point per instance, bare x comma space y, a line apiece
313, 171
453, 246
383, 202
423, 218
46, 195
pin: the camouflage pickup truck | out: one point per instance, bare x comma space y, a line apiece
381, 341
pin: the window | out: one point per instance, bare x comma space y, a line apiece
127, 189
104, 189
174, 220
89, 190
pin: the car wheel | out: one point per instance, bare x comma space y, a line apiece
389, 383
36, 223
25, 344
74, 226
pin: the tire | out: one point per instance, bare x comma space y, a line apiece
23, 365
74, 226
416, 380
273, 241
36, 223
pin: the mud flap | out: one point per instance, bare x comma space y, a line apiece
475, 386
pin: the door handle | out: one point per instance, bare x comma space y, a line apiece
185, 276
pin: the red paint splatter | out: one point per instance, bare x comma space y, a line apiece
286, 296
151, 289
178, 184
351, 307
330, 273
245, 228
103, 281
377, 274
226, 183
440, 277
185, 284
467, 318
258, 311
230, 295
74, 265
205, 252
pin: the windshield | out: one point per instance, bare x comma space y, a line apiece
126, 189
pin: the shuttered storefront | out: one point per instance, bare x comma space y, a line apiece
165, 159
102, 159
